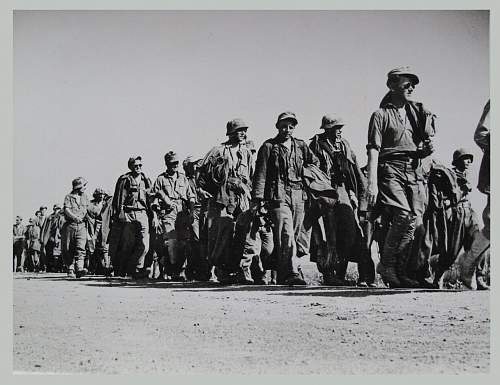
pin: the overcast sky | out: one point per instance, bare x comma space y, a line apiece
92, 88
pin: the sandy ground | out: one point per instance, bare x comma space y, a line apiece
96, 325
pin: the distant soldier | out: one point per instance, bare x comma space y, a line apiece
197, 265
176, 200
19, 244
74, 230
33, 245
343, 232
94, 224
454, 222
399, 137
104, 235
40, 222
40, 216
51, 239
225, 180
278, 182
131, 209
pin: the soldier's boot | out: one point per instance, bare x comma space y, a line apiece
401, 266
273, 277
388, 274
245, 276
471, 259
482, 272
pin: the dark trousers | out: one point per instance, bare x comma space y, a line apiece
73, 241
135, 241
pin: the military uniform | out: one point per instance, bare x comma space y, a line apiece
399, 138
176, 199
19, 245
51, 239
343, 232
131, 209
74, 230
278, 181
33, 246
454, 223
225, 173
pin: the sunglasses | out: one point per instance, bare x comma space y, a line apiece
137, 165
408, 85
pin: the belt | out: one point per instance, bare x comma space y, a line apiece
295, 186
399, 157
130, 209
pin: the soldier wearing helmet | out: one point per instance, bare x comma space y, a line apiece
278, 182
93, 261
225, 181
174, 206
74, 230
343, 234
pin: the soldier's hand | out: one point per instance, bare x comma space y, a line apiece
372, 193
255, 205
427, 148
205, 194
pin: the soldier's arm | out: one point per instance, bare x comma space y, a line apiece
68, 212
482, 133
259, 178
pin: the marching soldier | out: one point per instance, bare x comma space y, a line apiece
74, 230
278, 182
130, 207
342, 228
19, 244
225, 180
176, 201
399, 137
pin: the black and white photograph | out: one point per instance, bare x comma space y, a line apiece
251, 192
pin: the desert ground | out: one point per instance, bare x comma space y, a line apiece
121, 326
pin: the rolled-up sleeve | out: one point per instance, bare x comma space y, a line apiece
375, 132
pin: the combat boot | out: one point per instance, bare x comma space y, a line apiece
479, 246
388, 275
404, 280
245, 276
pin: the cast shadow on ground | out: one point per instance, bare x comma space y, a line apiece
213, 287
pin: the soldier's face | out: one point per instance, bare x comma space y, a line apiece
172, 166
285, 128
239, 136
18, 221
335, 132
42, 212
464, 164
137, 167
404, 88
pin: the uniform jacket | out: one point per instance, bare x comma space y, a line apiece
174, 193
271, 171
351, 174
387, 135
127, 193
74, 211
33, 238
228, 180
18, 233
52, 227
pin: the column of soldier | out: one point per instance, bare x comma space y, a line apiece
238, 217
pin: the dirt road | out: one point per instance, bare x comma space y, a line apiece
121, 326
